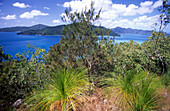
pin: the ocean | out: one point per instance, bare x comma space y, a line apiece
13, 43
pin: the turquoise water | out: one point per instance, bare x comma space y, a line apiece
13, 43
135, 37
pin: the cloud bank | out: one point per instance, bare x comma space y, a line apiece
20, 5
9, 17
32, 14
113, 15
56, 21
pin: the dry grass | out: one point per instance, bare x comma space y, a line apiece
166, 100
97, 102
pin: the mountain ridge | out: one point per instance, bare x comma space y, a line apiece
22, 28
121, 30
41, 29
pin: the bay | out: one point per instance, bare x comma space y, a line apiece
13, 43
135, 37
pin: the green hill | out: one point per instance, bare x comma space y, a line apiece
56, 30
120, 30
42, 30
13, 29
19, 28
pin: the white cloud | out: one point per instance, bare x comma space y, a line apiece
59, 4
32, 14
131, 10
47, 8
20, 5
146, 3
108, 7
9, 17
157, 4
112, 14
141, 22
56, 21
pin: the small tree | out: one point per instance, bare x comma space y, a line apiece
157, 47
80, 45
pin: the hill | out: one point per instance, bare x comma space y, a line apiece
42, 30
55, 30
120, 30
13, 29
19, 28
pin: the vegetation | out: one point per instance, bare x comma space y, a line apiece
83, 69
43, 30
135, 91
21, 75
120, 30
63, 92
19, 29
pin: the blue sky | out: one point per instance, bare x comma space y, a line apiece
137, 14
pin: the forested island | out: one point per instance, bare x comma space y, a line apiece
43, 30
82, 73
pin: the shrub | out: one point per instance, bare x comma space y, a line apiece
64, 91
137, 91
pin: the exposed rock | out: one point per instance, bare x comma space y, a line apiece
18, 102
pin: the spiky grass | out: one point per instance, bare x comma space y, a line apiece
62, 93
135, 91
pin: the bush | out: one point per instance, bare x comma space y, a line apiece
63, 92
21, 75
137, 91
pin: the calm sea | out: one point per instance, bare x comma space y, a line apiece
13, 43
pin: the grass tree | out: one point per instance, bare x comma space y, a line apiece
63, 92
135, 91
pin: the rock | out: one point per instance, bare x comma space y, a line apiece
18, 102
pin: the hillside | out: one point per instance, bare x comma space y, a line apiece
120, 30
19, 28
55, 30
42, 30
13, 29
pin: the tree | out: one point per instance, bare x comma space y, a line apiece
19, 76
157, 46
80, 45
165, 15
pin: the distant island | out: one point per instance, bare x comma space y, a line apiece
121, 30
20, 29
42, 30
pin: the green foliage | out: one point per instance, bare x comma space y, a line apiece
136, 90
130, 88
20, 75
80, 46
165, 15
63, 92
155, 58
3, 56
157, 51
127, 56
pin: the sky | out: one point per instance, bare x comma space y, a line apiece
136, 14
